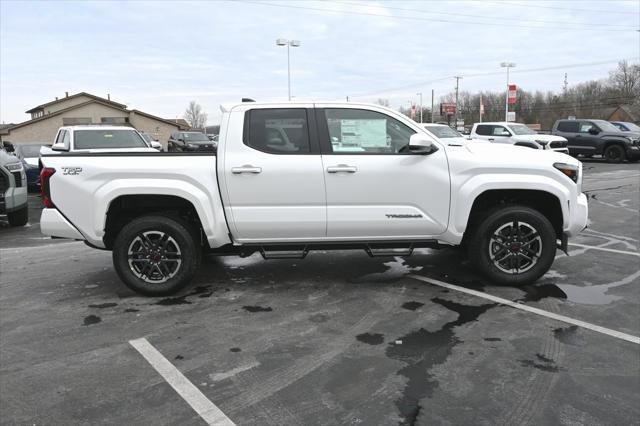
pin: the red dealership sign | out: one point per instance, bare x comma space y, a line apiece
447, 109
512, 94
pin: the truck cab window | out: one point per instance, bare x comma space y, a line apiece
279, 131
357, 131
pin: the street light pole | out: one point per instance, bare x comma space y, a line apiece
507, 65
420, 93
288, 43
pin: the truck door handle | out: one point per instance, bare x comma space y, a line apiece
342, 168
247, 168
490, 139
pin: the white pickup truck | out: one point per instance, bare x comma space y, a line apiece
346, 176
519, 135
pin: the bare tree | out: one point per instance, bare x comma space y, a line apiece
384, 102
195, 115
625, 80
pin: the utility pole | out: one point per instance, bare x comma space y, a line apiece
420, 93
481, 107
564, 86
456, 115
432, 105
347, 98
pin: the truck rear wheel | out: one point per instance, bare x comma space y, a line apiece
513, 245
19, 217
156, 255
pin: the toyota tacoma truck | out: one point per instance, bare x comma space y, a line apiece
292, 177
519, 135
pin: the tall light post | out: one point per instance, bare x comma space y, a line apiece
288, 43
507, 65
420, 94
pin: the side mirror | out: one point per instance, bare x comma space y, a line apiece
593, 131
420, 144
156, 145
180, 140
8, 146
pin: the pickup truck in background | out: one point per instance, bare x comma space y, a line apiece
13, 188
599, 137
292, 177
98, 138
519, 135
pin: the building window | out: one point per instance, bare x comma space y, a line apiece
74, 121
114, 120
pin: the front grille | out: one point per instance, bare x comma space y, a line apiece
558, 144
4, 182
18, 178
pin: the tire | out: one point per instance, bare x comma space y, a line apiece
19, 217
156, 255
614, 154
535, 239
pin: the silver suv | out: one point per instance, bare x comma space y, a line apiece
13, 189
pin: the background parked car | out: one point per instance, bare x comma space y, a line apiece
447, 134
13, 189
29, 155
151, 141
519, 135
190, 141
598, 137
625, 126
98, 139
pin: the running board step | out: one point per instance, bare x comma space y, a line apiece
275, 252
381, 251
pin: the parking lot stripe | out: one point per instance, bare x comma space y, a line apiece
631, 253
522, 307
187, 390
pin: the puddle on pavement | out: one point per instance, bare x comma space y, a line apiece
371, 338
568, 335
412, 306
103, 305
396, 269
541, 363
421, 350
91, 319
254, 309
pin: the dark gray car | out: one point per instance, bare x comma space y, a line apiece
598, 137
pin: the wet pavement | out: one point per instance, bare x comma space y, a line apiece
337, 338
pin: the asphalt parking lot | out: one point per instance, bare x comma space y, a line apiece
337, 338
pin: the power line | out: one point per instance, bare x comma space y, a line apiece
414, 18
519, 70
484, 16
572, 9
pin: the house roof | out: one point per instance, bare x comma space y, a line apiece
180, 122
94, 97
104, 102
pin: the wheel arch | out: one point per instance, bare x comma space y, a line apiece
544, 202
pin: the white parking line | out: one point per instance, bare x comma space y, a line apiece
187, 390
631, 253
593, 327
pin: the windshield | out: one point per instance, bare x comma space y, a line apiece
605, 126
195, 137
28, 151
632, 127
96, 139
443, 132
521, 129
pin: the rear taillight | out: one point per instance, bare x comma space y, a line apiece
45, 193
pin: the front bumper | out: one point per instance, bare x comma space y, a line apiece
53, 224
13, 199
578, 216
633, 152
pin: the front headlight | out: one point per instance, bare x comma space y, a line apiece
14, 167
568, 170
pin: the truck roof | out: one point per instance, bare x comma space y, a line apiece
97, 127
284, 104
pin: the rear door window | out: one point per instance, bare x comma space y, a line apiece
278, 131
568, 126
483, 129
500, 131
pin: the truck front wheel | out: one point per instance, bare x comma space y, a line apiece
19, 217
156, 255
513, 245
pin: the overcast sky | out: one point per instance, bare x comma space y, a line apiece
156, 56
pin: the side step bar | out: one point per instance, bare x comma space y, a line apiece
275, 252
300, 251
